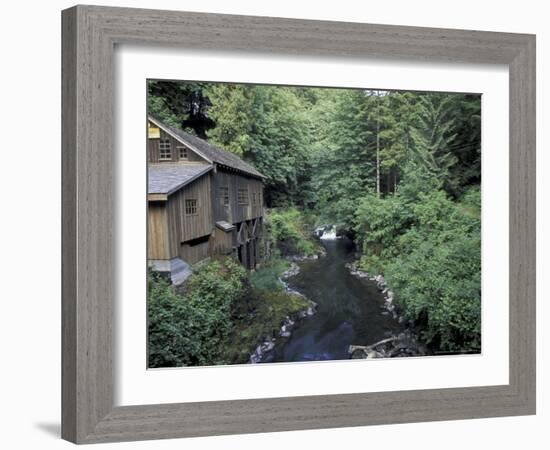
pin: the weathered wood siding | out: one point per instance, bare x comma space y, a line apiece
221, 242
235, 212
192, 254
157, 231
153, 150
184, 227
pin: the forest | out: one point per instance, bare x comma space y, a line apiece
397, 173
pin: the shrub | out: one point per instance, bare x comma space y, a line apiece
429, 250
380, 222
192, 328
289, 230
438, 285
266, 278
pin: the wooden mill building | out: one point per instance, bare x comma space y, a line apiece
202, 201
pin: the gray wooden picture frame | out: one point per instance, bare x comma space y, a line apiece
89, 35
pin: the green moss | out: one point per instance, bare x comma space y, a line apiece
260, 313
266, 311
267, 277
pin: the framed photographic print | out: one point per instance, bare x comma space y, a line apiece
277, 224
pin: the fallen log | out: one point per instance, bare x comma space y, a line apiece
369, 348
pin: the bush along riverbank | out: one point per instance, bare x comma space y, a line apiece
291, 238
426, 247
223, 314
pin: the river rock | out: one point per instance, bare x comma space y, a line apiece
359, 354
292, 271
267, 346
312, 308
264, 352
314, 256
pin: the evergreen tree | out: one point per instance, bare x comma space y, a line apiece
181, 105
434, 136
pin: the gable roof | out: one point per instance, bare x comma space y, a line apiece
208, 151
165, 178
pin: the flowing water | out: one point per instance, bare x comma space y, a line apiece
350, 310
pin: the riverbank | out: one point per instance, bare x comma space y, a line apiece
267, 314
382, 287
406, 343
221, 314
264, 352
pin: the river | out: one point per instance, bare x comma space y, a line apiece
350, 310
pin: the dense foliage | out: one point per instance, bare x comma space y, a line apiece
399, 171
192, 328
291, 233
220, 317
428, 248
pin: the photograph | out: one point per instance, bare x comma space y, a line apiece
295, 224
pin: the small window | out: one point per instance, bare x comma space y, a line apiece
242, 196
153, 132
190, 206
165, 150
182, 153
224, 195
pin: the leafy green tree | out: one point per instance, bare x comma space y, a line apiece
437, 273
428, 248
268, 127
232, 112
344, 161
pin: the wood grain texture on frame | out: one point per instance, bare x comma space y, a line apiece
89, 34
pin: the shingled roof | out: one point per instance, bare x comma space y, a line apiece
165, 178
208, 151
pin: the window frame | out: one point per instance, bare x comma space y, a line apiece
179, 149
161, 150
193, 207
240, 198
224, 195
